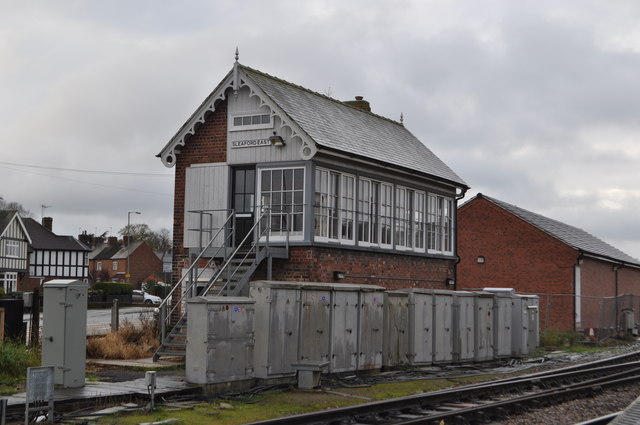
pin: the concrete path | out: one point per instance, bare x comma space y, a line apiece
100, 391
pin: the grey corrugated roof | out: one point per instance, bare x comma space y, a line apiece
42, 238
333, 124
570, 235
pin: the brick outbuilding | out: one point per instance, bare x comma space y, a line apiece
582, 281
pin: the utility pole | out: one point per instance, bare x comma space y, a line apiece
128, 276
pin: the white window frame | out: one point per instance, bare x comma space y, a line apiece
98, 266
297, 209
440, 224
12, 248
250, 115
385, 215
327, 205
114, 266
347, 212
9, 282
365, 211
419, 221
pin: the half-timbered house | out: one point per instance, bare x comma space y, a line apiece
324, 190
14, 242
52, 256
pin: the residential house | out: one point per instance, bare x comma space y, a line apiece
117, 259
52, 256
346, 194
100, 264
583, 282
14, 242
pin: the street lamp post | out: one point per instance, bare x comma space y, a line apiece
128, 276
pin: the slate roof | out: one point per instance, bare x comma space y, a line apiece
335, 125
125, 251
570, 235
42, 238
5, 218
105, 251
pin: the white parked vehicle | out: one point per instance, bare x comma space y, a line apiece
139, 296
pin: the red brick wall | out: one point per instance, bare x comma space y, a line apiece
317, 264
517, 255
629, 281
207, 145
142, 262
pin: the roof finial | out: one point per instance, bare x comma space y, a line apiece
237, 54
401, 118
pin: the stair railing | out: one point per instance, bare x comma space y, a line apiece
262, 231
165, 313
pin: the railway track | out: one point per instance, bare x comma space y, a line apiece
480, 403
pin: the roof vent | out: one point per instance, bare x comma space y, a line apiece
359, 103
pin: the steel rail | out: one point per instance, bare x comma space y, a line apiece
462, 401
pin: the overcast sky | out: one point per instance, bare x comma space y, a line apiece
535, 103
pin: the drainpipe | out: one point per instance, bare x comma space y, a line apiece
577, 290
617, 267
455, 264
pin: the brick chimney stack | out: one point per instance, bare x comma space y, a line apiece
359, 103
47, 223
112, 240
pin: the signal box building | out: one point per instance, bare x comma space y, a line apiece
335, 191
583, 283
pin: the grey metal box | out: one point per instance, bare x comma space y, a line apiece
443, 335
219, 339
315, 322
345, 306
64, 330
464, 327
396, 328
484, 326
502, 325
526, 334
533, 319
371, 322
421, 321
277, 325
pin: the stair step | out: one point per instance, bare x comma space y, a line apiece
168, 353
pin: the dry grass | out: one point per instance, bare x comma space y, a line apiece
128, 342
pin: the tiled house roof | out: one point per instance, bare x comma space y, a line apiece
332, 125
570, 235
337, 126
42, 238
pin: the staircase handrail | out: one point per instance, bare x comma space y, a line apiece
254, 246
163, 305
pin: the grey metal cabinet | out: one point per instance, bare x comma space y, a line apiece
421, 320
464, 327
344, 328
64, 330
502, 325
484, 322
315, 322
277, 321
525, 325
442, 326
371, 322
396, 329
220, 339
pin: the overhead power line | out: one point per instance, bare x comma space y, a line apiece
129, 189
75, 170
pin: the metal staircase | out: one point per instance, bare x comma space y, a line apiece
230, 277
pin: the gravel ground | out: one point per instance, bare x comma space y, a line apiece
576, 411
